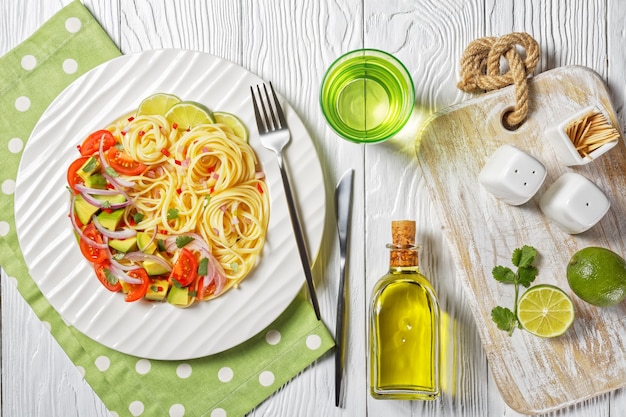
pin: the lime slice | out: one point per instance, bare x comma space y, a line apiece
158, 104
233, 122
545, 311
188, 114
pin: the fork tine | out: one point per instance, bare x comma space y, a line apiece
257, 115
269, 105
268, 126
279, 109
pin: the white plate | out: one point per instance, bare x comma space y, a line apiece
159, 330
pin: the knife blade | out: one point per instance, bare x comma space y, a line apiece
343, 210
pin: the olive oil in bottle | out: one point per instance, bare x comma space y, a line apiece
404, 325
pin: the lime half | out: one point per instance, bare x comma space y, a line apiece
233, 122
188, 114
545, 311
158, 104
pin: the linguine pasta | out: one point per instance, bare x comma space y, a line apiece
209, 177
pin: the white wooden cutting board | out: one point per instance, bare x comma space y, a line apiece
534, 375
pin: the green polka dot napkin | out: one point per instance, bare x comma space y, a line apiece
223, 385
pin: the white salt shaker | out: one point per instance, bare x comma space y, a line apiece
574, 203
512, 175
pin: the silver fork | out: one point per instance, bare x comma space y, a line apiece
275, 135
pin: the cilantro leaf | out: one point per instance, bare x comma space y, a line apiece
138, 217
182, 241
113, 280
526, 275
203, 267
172, 214
503, 274
118, 256
504, 318
524, 256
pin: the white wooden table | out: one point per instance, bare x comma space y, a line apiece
292, 42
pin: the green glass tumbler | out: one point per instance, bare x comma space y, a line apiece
367, 96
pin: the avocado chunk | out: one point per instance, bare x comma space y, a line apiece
125, 286
112, 219
157, 290
90, 167
96, 181
124, 245
84, 210
154, 268
145, 243
178, 296
112, 199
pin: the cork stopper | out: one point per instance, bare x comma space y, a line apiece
403, 249
403, 232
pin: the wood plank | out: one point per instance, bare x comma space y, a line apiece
292, 44
534, 375
428, 37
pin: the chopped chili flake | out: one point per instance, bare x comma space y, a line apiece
78, 147
177, 162
165, 152
159, 288
174, 125
131, 118
178, 191
141, 133
212, 190
123, 132
259, 187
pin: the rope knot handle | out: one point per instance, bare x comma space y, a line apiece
480, 69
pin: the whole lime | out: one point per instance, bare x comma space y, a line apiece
598, 276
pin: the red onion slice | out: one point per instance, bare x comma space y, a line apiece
123, 276
103, 204
99, 191
122, 266
141, 256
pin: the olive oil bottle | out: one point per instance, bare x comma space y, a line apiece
404, 325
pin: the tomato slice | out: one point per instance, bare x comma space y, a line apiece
138, 291
122, 162
210, 289
100, 269
91, 253
72, 177
185, 270
91, 144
